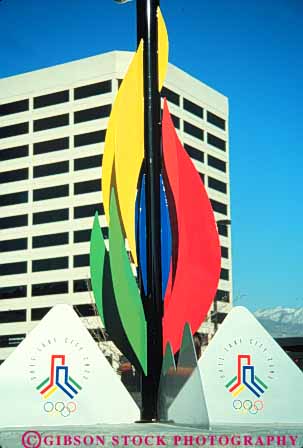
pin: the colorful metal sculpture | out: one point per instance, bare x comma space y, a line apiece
190, 250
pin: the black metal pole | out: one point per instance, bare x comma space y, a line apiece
148, 30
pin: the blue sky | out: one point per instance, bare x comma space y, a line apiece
249, 50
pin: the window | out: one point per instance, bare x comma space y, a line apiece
104, 231
14, 108
195, 153
98, 88
176, 121
98, 335
51, 169
7, 317
204, 339
13, 268
13, 221
82, 235
192, 108
13, 292
51, 99
84, 211
13, 198
39, 313
202, 177
171, 96
224, 274
13, 175
13, 153
81, 260
216, 141
87, 162
221, 295
45, 289
216, 163
224, 252
51, 122
53, 239
12, 245
223, 229
13, 130
219, 207
88, 186
59, 191
92, 114
51, 216
216, 184
217, 317
193, 130
215, 120
82, 285
57, 144
85, 310
50, 264
89, 138
11, 340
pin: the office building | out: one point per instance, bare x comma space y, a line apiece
52, 129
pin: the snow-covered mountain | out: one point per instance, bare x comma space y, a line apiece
282, 322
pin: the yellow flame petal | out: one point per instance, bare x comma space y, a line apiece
124, 143
129, 151
162, 49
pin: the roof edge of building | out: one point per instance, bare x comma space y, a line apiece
67, 72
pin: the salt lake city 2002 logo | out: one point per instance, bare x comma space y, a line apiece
247, 375
59, 369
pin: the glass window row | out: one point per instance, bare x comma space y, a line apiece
89, 138
57, 263
193, 108
50, 169
53, 98
224, 275
13, 268
98, 89
217, 185
222, 296
13, 292
44, 264
48, 240
82, 211
224, 252
11, 340
12, 316
79, 236
14, 107
195, 153
80, 116
20, 291
218, 317
223, 229
14, 130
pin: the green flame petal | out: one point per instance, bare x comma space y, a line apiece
128, 299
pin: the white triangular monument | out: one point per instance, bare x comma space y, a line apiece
189, 406
58, 376
248, 379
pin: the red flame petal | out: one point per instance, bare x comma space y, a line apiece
198, 259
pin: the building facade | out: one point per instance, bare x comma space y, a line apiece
52, 130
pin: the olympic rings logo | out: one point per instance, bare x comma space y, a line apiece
248, 406
60, 408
